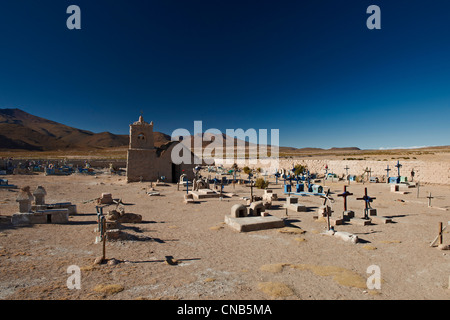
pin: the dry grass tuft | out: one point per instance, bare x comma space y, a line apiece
275, 289
109, 288
342, 276
291, 230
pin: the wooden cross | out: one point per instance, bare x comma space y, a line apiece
345, 195
429, 199
418, 187
440, 234
326, 197
103, 235
367, 201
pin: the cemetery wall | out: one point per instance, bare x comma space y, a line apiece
433, 172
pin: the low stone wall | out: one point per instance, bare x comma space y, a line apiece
432, 172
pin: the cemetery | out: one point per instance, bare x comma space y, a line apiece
221, 231
159, 230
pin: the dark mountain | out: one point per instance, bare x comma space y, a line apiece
21, 130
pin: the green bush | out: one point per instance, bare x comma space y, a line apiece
298, 169
261, 184
246, 170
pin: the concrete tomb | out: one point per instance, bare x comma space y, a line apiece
40, 213
204, 193
293, 205
251, 218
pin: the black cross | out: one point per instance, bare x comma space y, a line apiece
429, 199
345, 195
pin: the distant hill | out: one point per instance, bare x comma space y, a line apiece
21, 130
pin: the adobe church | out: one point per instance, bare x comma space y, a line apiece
145, 162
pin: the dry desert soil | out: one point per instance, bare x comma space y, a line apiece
215, 262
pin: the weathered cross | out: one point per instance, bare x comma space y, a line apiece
429, 199
326, 197
345, 194
277, 175
398, 166
368, 171
367, 201
346, 170
387, 170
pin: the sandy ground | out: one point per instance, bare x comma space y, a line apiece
216, 262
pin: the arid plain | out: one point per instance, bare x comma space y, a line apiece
212, 260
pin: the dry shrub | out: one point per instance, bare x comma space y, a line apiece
342, 276
275, 289
291, 230
109, 288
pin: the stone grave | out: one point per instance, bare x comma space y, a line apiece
293, 205
39, 202
41, 215
252, 218
204, 194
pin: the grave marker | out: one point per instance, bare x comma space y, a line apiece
367, 200
387, 173
429, 199
398, 166
346, 174
345, 194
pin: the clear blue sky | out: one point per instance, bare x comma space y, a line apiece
309, 68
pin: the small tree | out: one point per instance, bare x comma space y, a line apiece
260, 183
299, 169
246, 170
